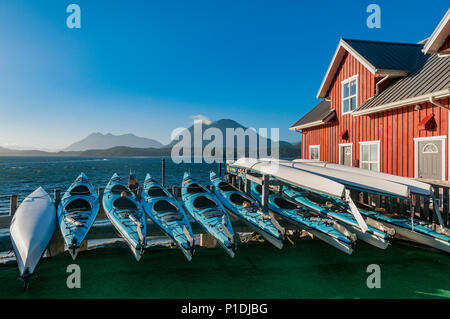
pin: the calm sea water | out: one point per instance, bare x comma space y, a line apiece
22, 175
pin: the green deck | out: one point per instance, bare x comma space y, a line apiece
310, 269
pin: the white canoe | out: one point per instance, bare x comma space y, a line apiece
353, 180
414, 186
281, 171
31, 229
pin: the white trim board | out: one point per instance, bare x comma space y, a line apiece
441, 138
340, 145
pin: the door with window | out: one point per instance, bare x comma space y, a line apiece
346, 155
430, 159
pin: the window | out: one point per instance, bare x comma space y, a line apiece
349, 94
314, 152
370, 155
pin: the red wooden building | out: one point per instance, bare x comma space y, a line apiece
385, 107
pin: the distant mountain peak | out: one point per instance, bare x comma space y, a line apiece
101, 141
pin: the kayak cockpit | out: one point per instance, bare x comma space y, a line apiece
196, 189
80, 190
169, 212
284, 204
203, 202
156, 191
78, 205
225, 187
238, 199
125, 203
119, 189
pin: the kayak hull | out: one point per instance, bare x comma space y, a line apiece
31, 230
209, 213
166, 212
126, 215
77, 212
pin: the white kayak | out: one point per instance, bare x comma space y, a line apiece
351, 179
414, 186
31, 229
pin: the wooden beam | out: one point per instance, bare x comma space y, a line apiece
265, 193
13, 204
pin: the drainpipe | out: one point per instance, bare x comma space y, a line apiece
377, 89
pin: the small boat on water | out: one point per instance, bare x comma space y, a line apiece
207, 210
167, 213
125, 213
77, 211
326, 229
32, 228
244, 207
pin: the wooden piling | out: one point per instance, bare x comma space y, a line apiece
265, 192
163, 172
13, 204
101, 212
220, 168
57, 196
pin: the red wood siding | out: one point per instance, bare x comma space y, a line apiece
446, 44
395, 129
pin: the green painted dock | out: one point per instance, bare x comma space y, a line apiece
310, 269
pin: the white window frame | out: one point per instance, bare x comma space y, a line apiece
416, 152
314, 146
370, 162
350, 79
340, 151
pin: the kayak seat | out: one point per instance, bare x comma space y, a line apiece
163, 206
80, 190
124, 203
118, 189
283, 203
172, 216
156, 191
203, 202
78, 205
238, 199
195, 189
224, 186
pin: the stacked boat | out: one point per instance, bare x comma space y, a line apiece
324, 189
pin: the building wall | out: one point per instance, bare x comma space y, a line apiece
395, 129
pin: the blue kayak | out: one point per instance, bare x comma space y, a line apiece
248, 210
77, 211
166, 212
325, 229
207, 210
323, 206
126, 214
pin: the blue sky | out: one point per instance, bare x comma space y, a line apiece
147, 67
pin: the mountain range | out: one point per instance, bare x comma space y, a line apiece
98, 144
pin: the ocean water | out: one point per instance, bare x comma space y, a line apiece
22, 175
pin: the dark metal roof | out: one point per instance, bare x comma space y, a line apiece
318, 113
388, 55
431, 74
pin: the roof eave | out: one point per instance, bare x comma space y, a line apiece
439, 35
311, 124
335, 61
396, 104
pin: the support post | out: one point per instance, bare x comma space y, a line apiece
247, 186
265, 192
163, 172
220, 169
57, 196
101, 212
13, 204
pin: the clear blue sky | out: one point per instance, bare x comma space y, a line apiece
146, 67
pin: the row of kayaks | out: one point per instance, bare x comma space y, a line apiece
323, 189
311, 195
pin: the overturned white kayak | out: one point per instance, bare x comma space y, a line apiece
281, 171
353, 179
414, 186
31, 229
